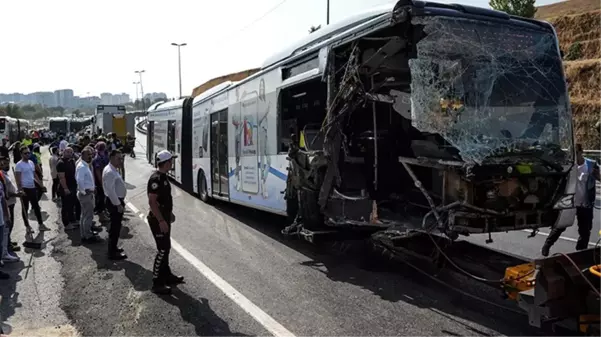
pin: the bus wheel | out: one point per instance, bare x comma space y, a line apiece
202, 187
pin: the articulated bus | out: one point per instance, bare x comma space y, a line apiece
386, 75
59, 125
13, 129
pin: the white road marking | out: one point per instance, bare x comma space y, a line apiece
561, 237
132, 207
244, 303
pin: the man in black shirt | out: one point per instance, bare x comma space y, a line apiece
68, 189
160, 218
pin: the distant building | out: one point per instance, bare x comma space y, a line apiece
64, 98
156, 95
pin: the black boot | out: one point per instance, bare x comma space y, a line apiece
175, 280
160, 289
545, 250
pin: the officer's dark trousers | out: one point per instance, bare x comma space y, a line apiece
584, 215
116, 222
160, 271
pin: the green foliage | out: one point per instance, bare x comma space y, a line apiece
314, 29
524, 8
13, 110
575, 52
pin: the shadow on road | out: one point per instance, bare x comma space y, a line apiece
358, 263
197, 312
10, 297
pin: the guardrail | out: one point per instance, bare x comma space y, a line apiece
141, 126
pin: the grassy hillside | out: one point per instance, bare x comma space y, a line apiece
578, 25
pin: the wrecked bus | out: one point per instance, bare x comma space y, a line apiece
422, 117
444, 118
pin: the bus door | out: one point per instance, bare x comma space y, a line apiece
171, 145
219, 147
177, 162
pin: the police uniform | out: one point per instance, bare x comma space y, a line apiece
159, 184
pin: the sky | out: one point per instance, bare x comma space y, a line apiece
95, 46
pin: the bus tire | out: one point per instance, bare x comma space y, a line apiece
202, 187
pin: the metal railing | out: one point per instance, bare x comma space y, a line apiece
593, 154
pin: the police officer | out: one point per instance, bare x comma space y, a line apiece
160, 218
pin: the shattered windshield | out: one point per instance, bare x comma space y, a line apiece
490, 89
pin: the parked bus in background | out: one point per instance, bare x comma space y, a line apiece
13, 129
59, 125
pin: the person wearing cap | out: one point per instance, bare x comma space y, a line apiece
115, 192
160, 218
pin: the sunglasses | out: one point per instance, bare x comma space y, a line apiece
25, 153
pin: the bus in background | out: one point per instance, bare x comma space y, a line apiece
59, 125
167, 120
13, 129
114, 118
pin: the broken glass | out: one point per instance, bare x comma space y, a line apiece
490, 89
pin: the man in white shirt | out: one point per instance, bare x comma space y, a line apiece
85, 194
115, 191
26, 179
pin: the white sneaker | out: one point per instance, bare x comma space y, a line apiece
8, 258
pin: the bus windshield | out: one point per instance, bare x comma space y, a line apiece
490, 89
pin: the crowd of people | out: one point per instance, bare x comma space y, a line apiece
87, 180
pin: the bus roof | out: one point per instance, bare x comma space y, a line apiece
213, 91
58, 119
327, 32
154, 106
170, 105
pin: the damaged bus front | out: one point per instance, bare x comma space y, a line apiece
449, 118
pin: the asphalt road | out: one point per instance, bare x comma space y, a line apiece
242, 278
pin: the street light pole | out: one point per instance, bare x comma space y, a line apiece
139, 72
137, 92
179, 64
328, 12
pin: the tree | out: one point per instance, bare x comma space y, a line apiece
14, 111
524, 8
77, 113
314, 29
